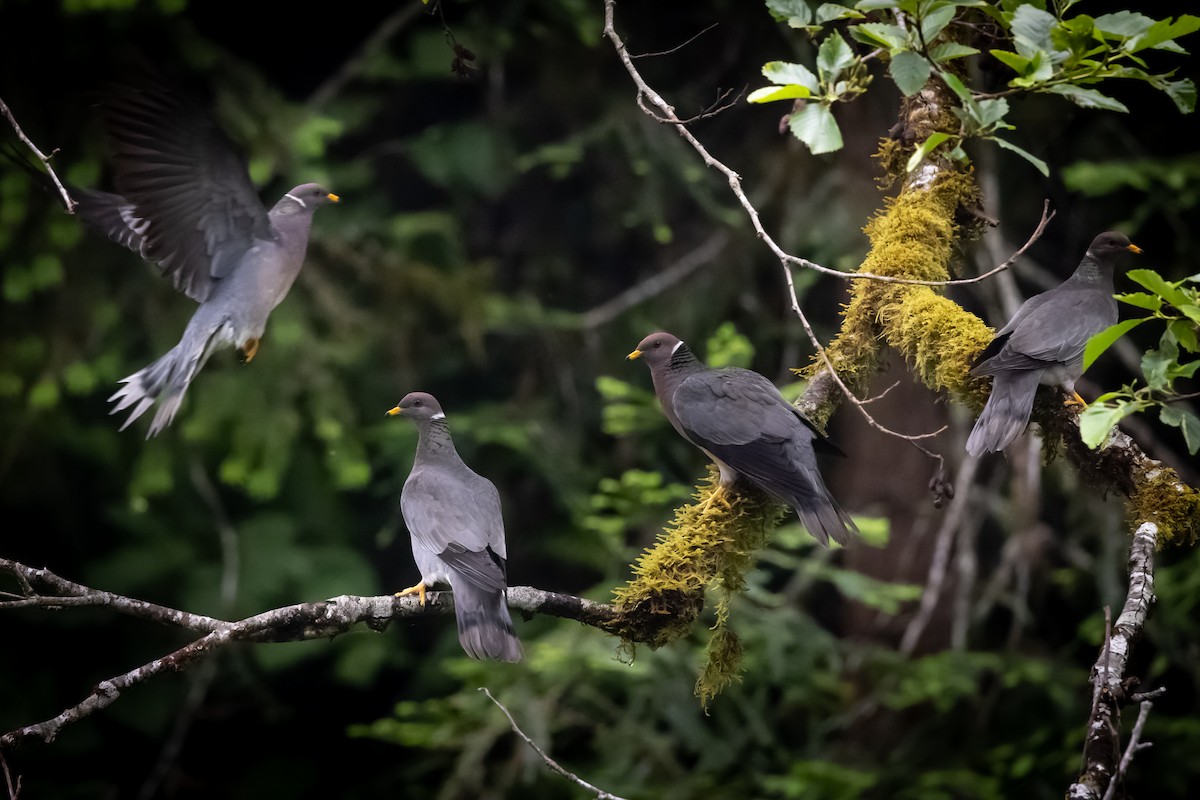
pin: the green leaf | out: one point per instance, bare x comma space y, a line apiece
1187, 422
1018, 63
1087, 98
880, 34
935, 21
1032, 159
1099, 418
947, 51
828, 12
1031, 28
1157, 363
876, 5
935, 138
1162, 32
1124, 24
815, 126
769, 94
959, 88
785, 73
1185, 333
910, 71
1160, 286
1182, 94
796, 13
1105, 338
1150, 302
833, 56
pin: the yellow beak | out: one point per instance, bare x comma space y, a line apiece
1133, 248
333, 198
391, 412
633, 355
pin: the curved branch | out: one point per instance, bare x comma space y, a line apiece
1101, 750
322, 619
45, 159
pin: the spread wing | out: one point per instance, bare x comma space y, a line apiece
458, 517
190, 196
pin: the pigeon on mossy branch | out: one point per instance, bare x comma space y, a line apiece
457, 529
741, 421
185, 202
1044, 343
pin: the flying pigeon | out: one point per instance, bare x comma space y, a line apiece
185, 202
1044, 342
741, 421
453, 516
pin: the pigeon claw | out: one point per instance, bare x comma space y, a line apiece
418, 590
1075, 400
719, 497
248, 350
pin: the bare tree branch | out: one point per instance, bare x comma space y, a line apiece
1102, 756
550, 762
316, 620
45, 159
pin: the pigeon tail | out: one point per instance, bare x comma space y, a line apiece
1006, 414
485, 628
166, 381
823, 518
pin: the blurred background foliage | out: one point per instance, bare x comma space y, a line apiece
510, 230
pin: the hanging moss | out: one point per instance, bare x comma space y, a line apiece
1161, 498
700, 546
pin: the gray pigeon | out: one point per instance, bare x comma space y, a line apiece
741, 421
1044, 342
186, 204
453, 516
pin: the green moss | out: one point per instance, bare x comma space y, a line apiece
699, 547
1161, 497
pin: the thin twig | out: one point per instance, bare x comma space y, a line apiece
550, 762
45, 159
677, 47
14, 791
1131, 749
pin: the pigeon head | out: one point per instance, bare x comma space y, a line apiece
1111, 244
657, 349
418, 406
308, 196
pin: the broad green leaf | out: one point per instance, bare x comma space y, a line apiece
796, 13
935, 138
1025, 154
992, 111
1031, 29
935, 22
1182, 94
1160, 286
1162, 32
959, 89
833, 56
910, 71
1087, 98
1191, 311
785, 72
1018, 63
1105, 338
1124, 24
947, 51
1186, 333
881, 5
1098, 419
828, 12
815, 126
769, 94
1157, 363
880, 34
1187, 422
1150, 302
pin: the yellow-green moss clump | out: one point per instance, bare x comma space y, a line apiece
700, 546
1162, 498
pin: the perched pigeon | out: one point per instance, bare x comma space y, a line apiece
186, 204
1044, 343
739, 419
453, 516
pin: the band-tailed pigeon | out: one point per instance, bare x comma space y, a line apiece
1044, 342
741, 421
186, 204
453, 516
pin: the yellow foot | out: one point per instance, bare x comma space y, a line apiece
1075, 400
418, 590
248, 350
719, 497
